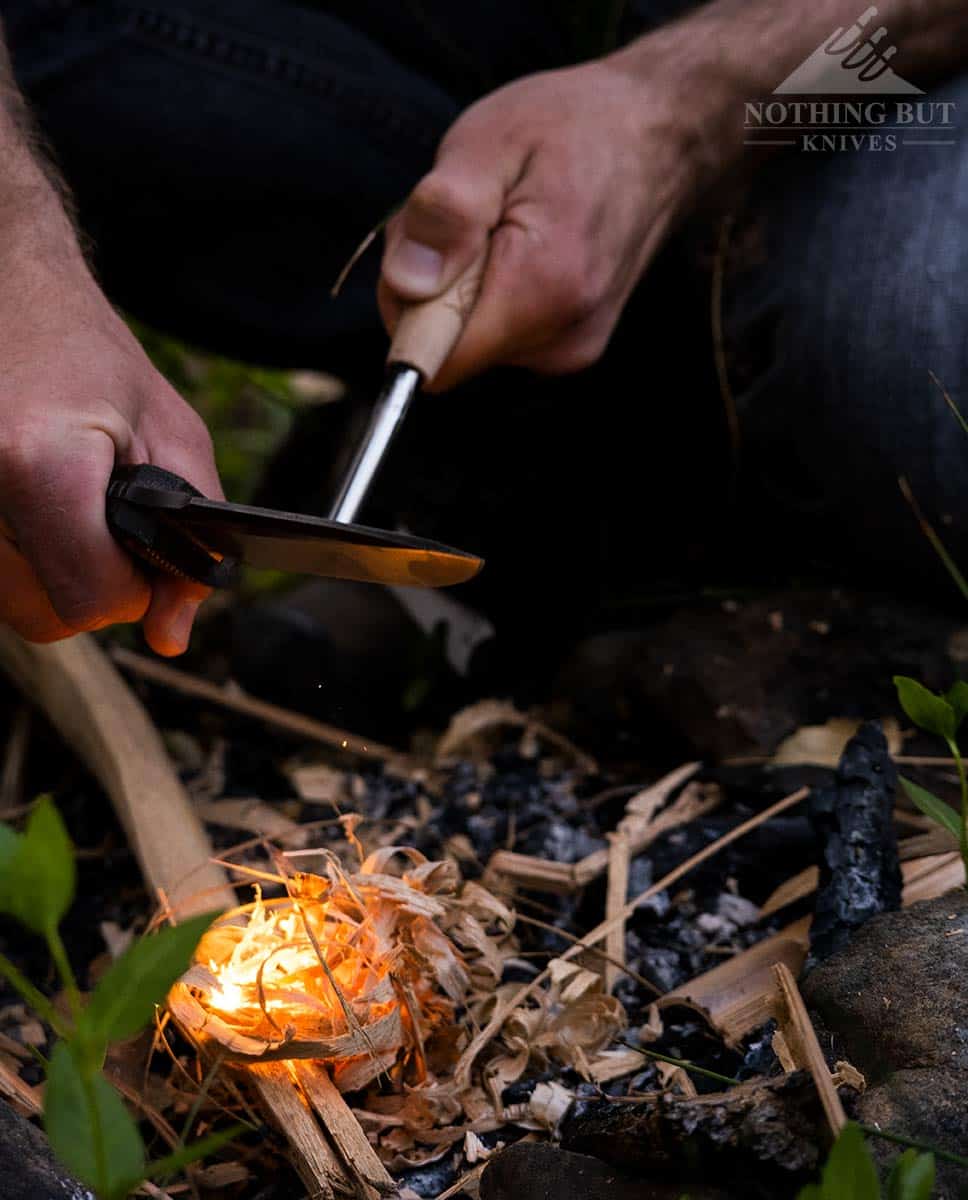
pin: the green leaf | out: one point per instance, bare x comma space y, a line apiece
849, 1173
912, 1177
932, 806
90, 1130
37, 885
125, 998
957, 697
184, 1157
810, 1192
9, 845
928, 711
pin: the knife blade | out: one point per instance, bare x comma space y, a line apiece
168, 524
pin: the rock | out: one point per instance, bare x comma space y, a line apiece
859, 871
897, 995
537, 1171
926, 1104
28, 1170
897, 999
764, 1132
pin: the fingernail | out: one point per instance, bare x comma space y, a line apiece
416, 267
180, 629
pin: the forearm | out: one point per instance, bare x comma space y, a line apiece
730, 52
35, 224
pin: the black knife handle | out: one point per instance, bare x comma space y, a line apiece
142, 512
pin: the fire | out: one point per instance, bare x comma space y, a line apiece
359, 970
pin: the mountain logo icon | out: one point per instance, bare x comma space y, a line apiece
849, 62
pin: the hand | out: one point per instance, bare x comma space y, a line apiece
77, 396
571, 180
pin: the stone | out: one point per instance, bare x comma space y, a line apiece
28, 1170
897, 999
897, 995
538, 1171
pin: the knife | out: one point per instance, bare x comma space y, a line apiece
161, 519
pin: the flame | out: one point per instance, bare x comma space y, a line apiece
358, 970
292, 958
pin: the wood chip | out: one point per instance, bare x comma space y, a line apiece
314, 1158
343, 1128
253, 816
477, 721
801, 1039
616, 897
29, 1100
847, 1075
736, 996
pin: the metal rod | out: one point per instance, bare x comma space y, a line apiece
387, 417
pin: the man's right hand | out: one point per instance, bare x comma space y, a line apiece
77, 396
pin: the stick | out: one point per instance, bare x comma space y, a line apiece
88, 702
801, 1040
615, 898
344, 1129
314, 1158
96, 712
249, 706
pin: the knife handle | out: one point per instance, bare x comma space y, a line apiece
428, 331
141, 510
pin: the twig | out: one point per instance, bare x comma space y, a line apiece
248, 706
615, 898
358, 253
801, 1039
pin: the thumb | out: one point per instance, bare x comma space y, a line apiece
442, 228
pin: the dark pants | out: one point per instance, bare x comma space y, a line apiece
228, 155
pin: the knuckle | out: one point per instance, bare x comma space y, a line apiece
22, 453
440, 197
572, 292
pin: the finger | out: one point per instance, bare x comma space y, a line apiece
171, 615
179, 441
24, 605
514, 314
444, 224
54, 503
